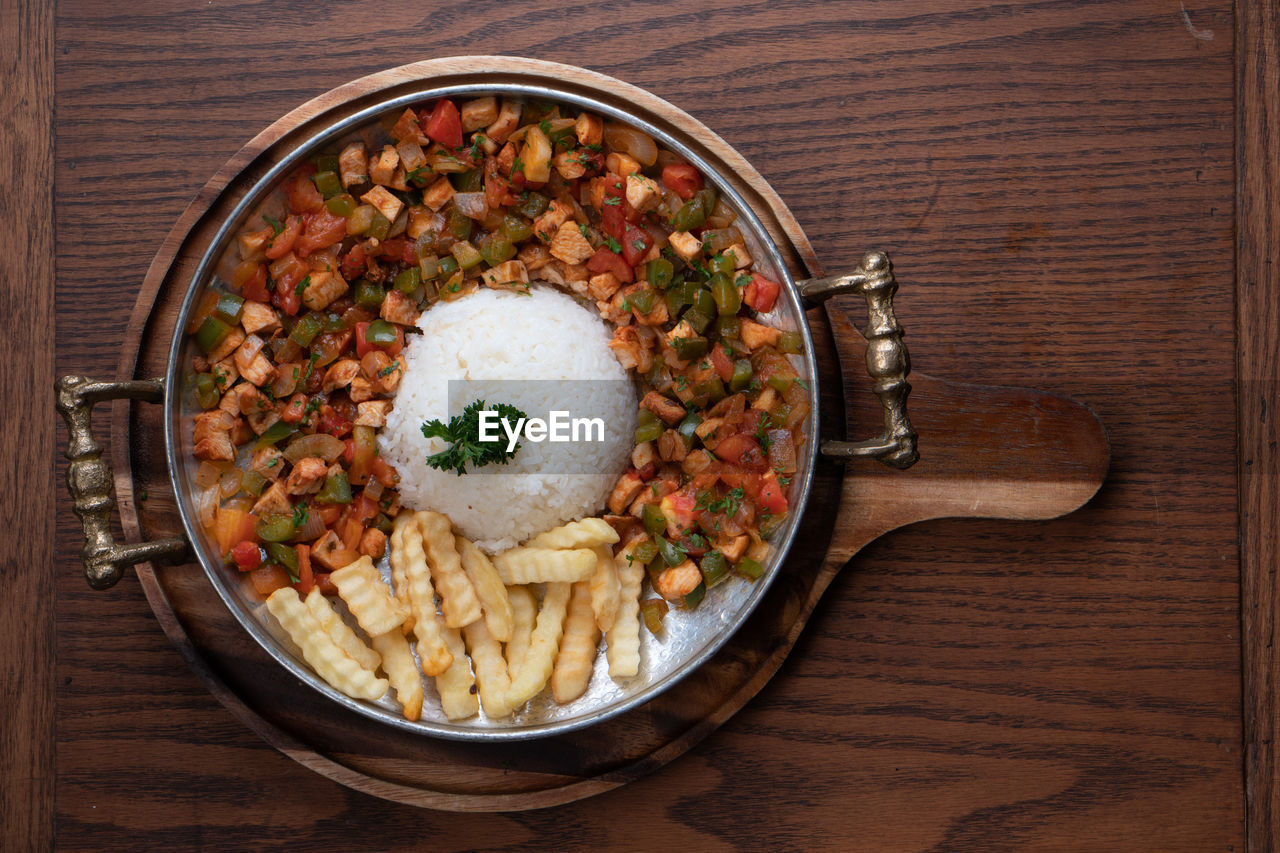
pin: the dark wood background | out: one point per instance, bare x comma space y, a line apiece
1056, 181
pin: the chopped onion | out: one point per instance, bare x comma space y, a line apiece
208, 504
312, 528
635, 143
373, 490
471, 204
209, 474
229, 484
719, 239
321, 444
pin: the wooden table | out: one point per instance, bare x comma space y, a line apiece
1103, 681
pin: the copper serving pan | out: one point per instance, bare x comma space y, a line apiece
692, 637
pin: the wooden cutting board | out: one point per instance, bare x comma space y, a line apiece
985, 451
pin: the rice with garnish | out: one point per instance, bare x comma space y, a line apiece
501, 335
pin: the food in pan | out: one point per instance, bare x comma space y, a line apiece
506, 241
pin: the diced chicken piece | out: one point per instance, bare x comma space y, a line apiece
248, 350
382, 199
570, 246
734, 548
696, 462
657, 313
507, 120
550, 221
353, 165
373, 413
685, 245
389, 377
616, 310
631, 349
408, 128
259, 422
324, 287
643, 454
664, 407
225, 374
373, 543
398, 308
253, 243
422, 220
569, 165
681, 331
672, 447
240, 432
329, 552
398, 179
676, 582
258, 317
643, 193
382, 167
756, 335
627, 487
505, 274
766, 399
620, 164
438, 194
211, 435
589, 129
274, 501
741, 257
260, 371
626, 526
307, 476
603, 286
478, 113
534, 256
268, 462
340, 374
229, 344
361, 390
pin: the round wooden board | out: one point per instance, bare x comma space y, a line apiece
993, 452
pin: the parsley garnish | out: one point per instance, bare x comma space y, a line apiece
613, 201
276, 225
802, 384
299, 515
517, 165
594, 146
302, 285
463, 431
614, 245
742, 280
311, 365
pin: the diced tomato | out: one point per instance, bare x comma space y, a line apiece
329, 513
255, 287
324, 584
362, 509
741, 450
306, 581
682, 179
333, 422
386, 475
303, 195
761, 294
680, 509
721, 362
648, 471
363, 347
351, 534
268, 579
322, 230
444, 125
497, 189
771, 497
605, 260
248, 555
286, 297
354, 262
614, 213
364, 448
348, 450
294, 409
281, 244
635, 243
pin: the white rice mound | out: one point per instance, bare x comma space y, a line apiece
501, 335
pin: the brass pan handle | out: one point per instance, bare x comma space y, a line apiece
92, 485
888, 362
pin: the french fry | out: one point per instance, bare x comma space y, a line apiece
428, 627
623, 651
362, 588
455, 683
577, 652
524, 610
492, 679
539, 660
398, 664
605, 588
489, 588
458, 599
587, 533
320, 651
340, 632
399, 579
544, 565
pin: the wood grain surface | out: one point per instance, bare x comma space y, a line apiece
1055, 181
